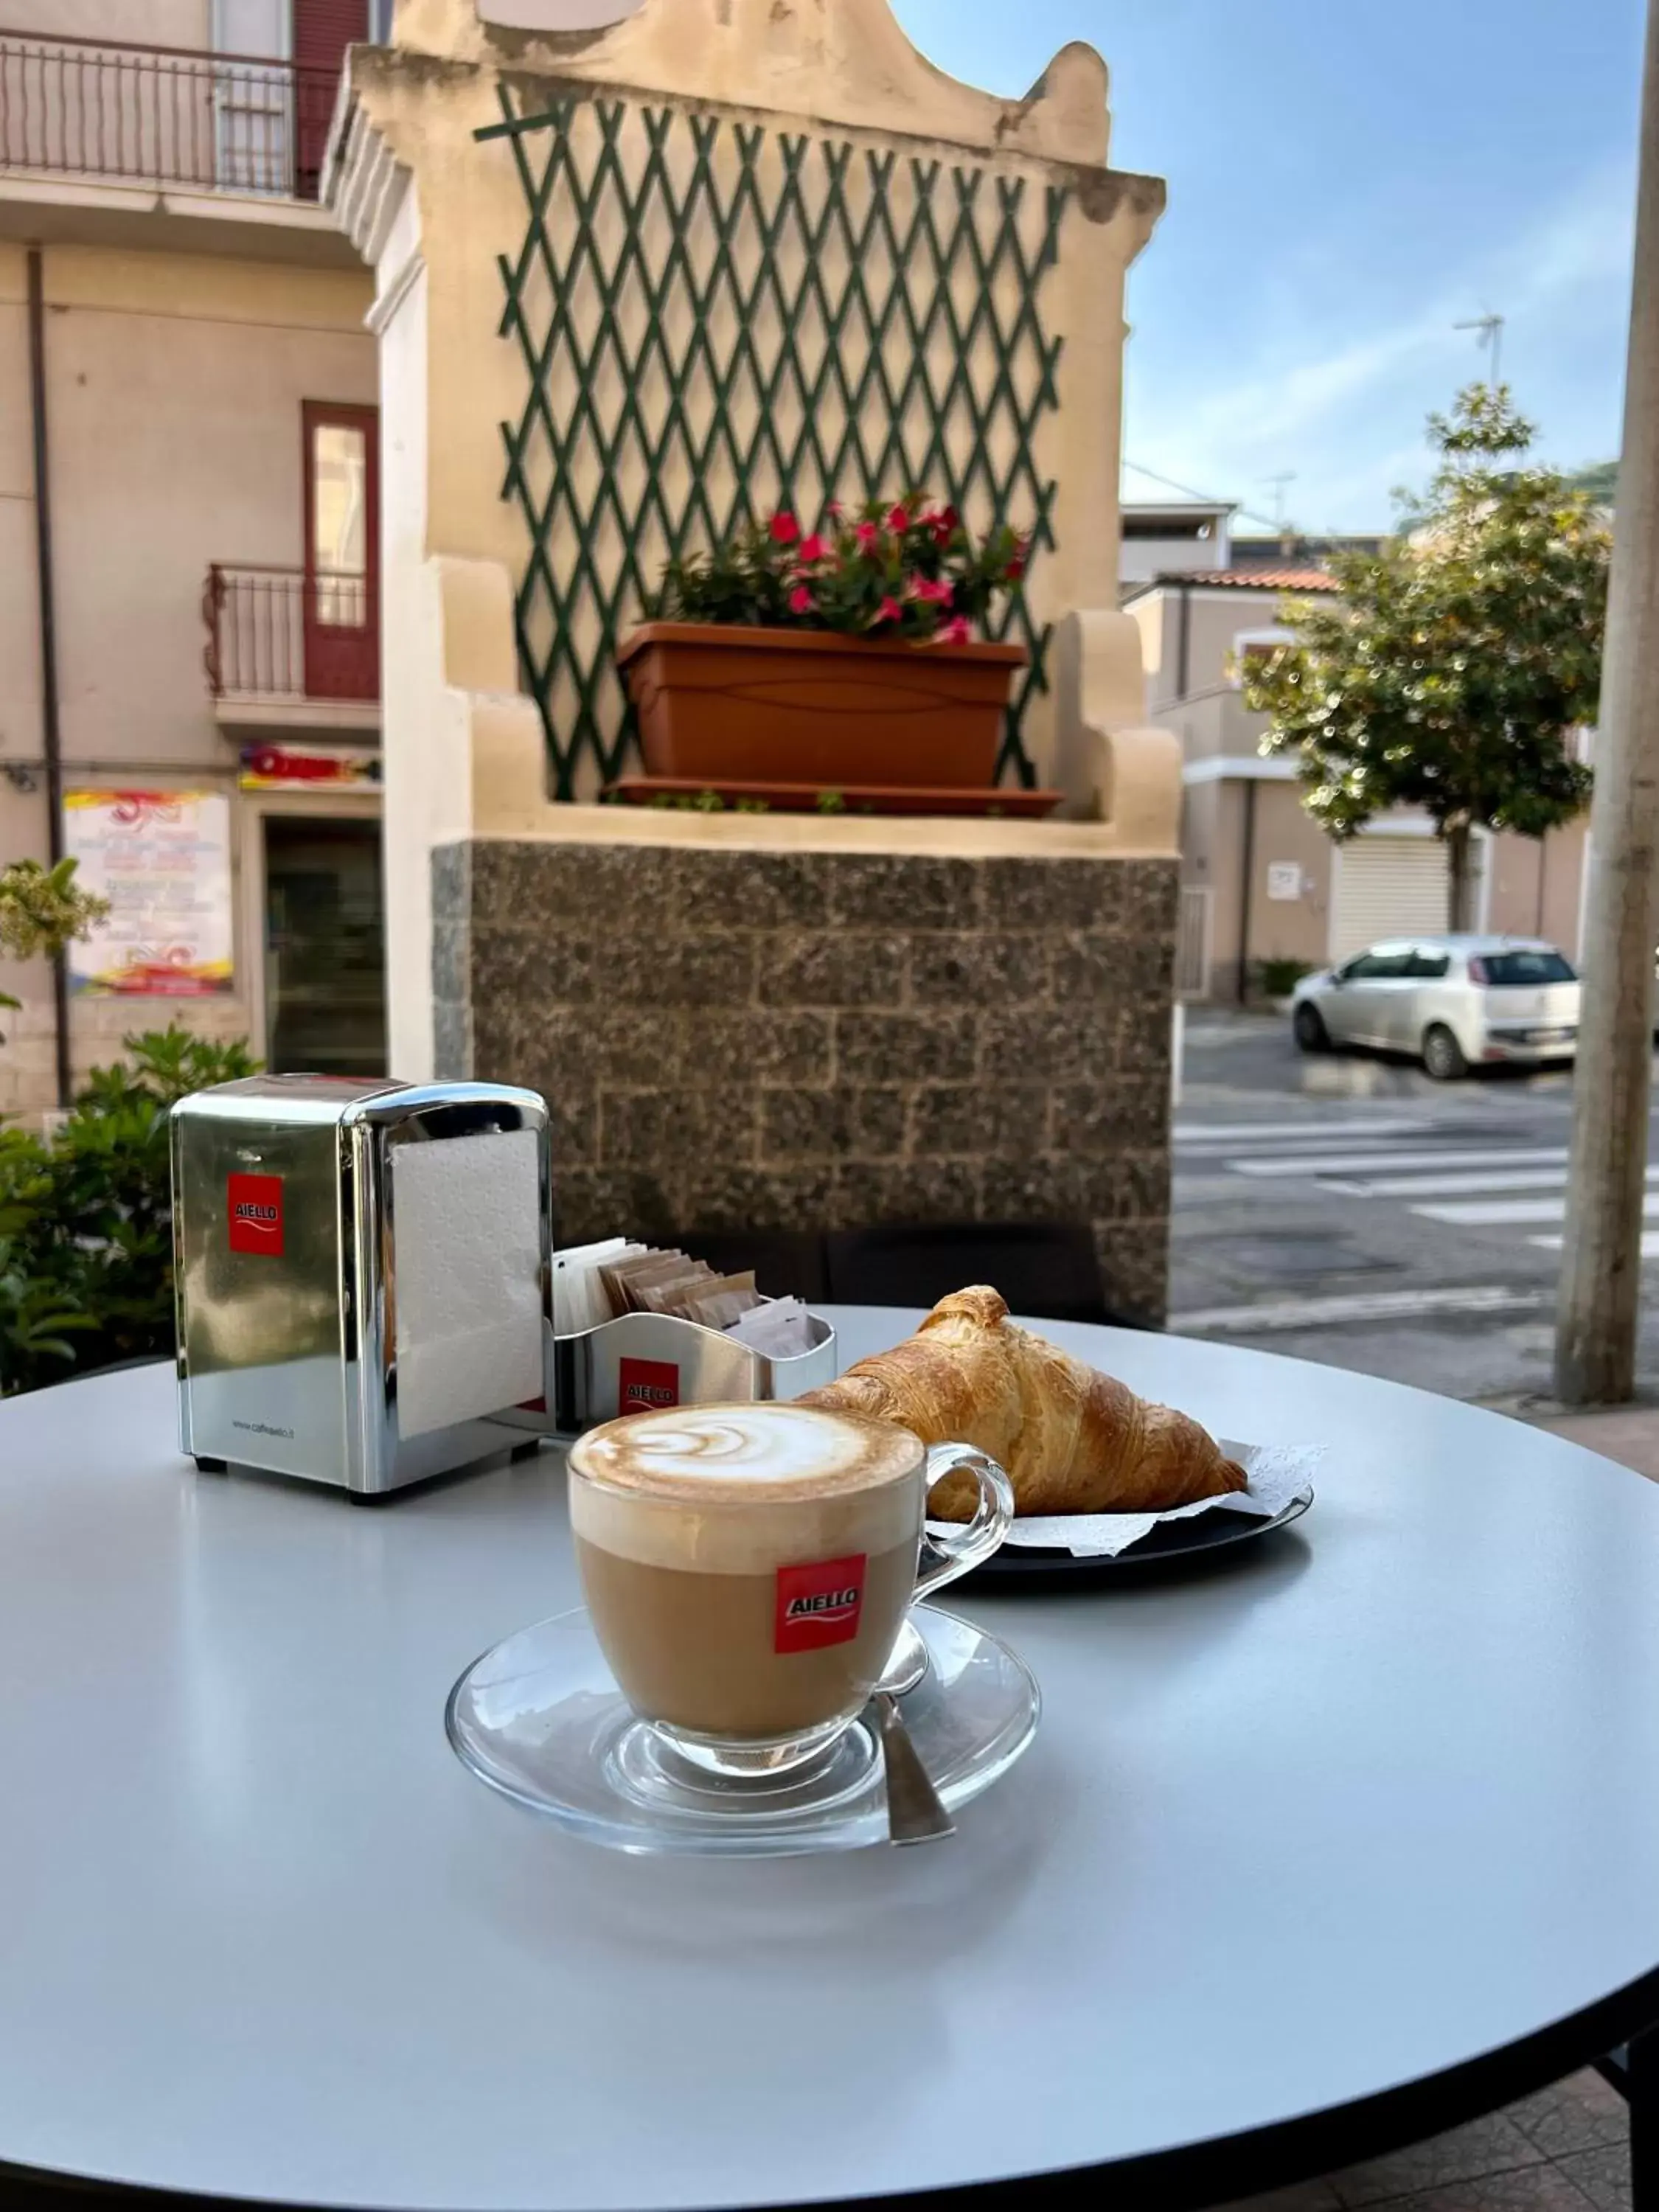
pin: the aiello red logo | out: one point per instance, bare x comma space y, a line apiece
819, 1605
644, 1385
254, 1207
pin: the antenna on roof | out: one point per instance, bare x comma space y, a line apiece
1284, 477
1490, 327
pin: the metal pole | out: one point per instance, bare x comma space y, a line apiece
1600, 1272
51, 731
1641, 2087
1247, 888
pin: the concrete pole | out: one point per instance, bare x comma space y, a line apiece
1600, 1272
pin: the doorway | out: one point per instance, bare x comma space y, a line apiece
342, 551
325, 946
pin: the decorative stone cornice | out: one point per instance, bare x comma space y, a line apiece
845, 62
366, 183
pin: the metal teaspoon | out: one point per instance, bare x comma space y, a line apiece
915, 1813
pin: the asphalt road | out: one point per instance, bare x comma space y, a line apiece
1344, 1209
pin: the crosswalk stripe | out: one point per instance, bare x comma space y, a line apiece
1649, 1242
1504, 1213
1315, 1164
1357, 1306
1457, 1186
1233, 1132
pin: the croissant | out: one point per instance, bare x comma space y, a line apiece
1072, 1440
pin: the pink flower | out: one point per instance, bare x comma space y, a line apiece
813, 548
801, 600
889, 610
933, 591
957, 631
897, 519
1016, 567
868, 536
784, 527
834, 510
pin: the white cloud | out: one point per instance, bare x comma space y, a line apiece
1234, 419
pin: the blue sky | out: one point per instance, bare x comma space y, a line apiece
1346, 182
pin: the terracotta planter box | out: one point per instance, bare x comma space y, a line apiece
723, 704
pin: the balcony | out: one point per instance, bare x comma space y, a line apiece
292, 649
109, 133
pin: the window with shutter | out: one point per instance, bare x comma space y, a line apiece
323, 30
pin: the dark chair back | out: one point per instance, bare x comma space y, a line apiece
1047, 1269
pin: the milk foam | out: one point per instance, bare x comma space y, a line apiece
686, 1451
672, 1489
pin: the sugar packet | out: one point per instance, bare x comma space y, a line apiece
579, 1300
777, 1329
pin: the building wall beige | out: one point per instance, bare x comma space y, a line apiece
157, 23
1537, 885
174, 400
1213, 844
174, 383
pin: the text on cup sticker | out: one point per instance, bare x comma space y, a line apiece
253, 1208
643, 1385
819, 1604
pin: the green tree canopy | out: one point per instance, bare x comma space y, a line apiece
41, 910
1455, 665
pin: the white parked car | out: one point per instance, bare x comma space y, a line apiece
1452, 1002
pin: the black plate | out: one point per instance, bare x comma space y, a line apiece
1171, 1542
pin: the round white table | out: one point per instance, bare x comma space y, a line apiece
1314, 1854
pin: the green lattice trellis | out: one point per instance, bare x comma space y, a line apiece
706, 311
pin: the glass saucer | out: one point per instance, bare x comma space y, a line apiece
540, 1719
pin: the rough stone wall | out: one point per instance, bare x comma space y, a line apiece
734, 1039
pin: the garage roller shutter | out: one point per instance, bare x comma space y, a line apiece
1387, 887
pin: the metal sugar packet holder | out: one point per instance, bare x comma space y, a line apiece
364, 1280
643, 1361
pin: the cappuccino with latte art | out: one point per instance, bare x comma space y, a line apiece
748, 1567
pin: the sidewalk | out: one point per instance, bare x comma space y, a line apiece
1564, 2150
1629, 1434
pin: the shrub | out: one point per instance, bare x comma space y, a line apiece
1278, 975
86, 1216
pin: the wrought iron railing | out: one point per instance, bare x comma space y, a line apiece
163, 115
283, 634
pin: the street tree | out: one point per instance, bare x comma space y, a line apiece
1452, 670
43, 910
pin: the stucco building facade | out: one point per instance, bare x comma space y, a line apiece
188, 448
1259, 880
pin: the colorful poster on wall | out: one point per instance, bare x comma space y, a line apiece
162, 861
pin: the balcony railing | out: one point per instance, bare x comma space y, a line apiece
163, 115
289, 635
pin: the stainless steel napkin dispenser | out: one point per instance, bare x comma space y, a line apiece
362, 1273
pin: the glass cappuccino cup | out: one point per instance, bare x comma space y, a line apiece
748, 1568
